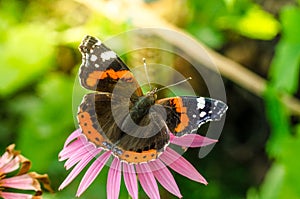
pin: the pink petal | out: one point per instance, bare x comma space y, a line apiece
92, 172
10, 195
77, 156
13, 165
78, 168
71, 137
164, 177
147, 180
67, 151
181, 165
130, 180
5, 158
24, 182
191, 140
114, 180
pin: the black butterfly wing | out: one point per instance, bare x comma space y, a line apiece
101, 116
187, 113
102, 70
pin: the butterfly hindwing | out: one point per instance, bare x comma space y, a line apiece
187, 113
98, 115
88, 120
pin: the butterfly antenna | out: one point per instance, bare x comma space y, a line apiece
146, 71
180, 82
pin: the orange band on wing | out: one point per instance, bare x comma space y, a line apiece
135, 157
184, 119
88, 130
110, 73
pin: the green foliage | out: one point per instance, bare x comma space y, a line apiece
47, 118
279, 122
272, 184
255, 23
282, 179
25, 55
285, 68
242, 17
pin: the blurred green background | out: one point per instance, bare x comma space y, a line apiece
257, 154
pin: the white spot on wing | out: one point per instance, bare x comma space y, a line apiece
97, 65
108, 55
216, 103
98, 43
202, 114
201, 103
94, 58
194, 116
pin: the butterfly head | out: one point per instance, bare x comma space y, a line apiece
152, 94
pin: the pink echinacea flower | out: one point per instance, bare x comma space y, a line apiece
78, 152
11, 186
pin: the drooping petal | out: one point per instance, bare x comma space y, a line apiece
164, 177
13, 165
78, 168
25, 182
147, 180
181, 165
71, 137
130, 180
114, 180
10, 195
92, 172
70, 149
77, 156
8, 155
191, 140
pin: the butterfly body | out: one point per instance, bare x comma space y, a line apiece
117, 116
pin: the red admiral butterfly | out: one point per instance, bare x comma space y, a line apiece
114, 116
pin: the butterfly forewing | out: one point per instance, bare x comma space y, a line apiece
101, 69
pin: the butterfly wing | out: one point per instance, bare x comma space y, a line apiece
98, 117
102, 69
89, 121
187, 113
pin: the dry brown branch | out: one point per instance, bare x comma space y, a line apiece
141, 16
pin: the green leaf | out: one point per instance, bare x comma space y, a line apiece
290, 161
279, 122
285, 67
258, 24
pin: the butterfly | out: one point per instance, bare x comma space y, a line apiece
117, 116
